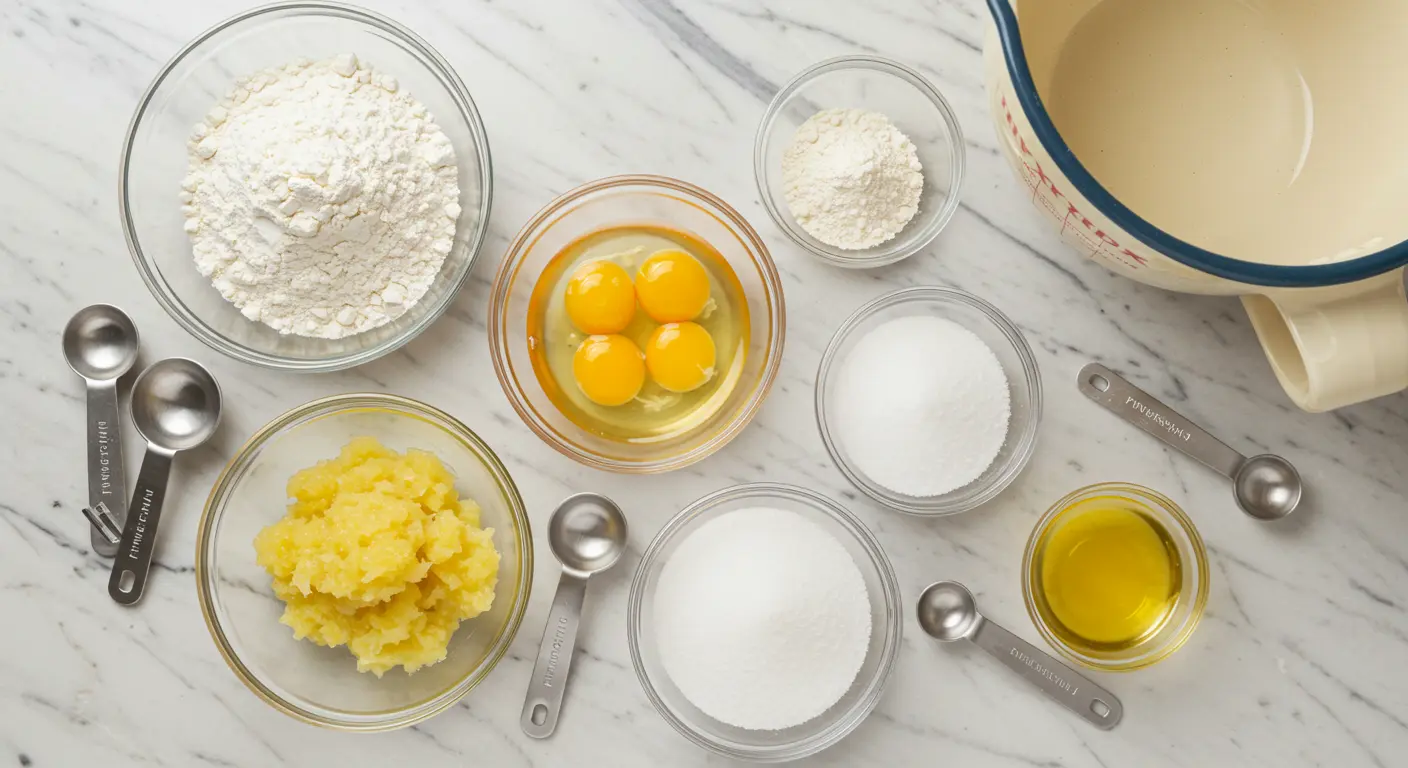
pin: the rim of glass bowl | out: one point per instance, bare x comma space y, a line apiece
1200, 568
240, 464
428, 57
880, 255
888, 654
956, 501
498, 324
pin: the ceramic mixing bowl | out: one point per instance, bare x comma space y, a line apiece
154, 161
322, 685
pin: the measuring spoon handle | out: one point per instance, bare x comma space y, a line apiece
544, 701
1145, 411
107, 480
134, 553
1055, 679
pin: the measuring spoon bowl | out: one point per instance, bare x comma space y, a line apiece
587, 534
176, 406
948, 612
100, 344
1267, 487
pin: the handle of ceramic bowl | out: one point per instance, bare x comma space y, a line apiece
1337, 345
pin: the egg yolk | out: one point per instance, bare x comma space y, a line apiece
673, 286
600, 298
609, 369
680, 356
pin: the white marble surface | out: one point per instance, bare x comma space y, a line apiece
1302, 658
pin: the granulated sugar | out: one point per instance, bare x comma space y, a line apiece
762, 619
922, 406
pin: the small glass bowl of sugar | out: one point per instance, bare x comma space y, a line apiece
928, 399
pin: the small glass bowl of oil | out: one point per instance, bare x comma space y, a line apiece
1115, 576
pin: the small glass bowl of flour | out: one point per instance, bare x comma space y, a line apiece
332, 255
764, 621
928, 399
859, 160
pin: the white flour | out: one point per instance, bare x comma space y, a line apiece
321, 200
851, 179
762, 618
922, 405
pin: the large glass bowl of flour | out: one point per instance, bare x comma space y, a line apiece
155, 161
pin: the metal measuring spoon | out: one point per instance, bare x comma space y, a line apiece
175, 407
587, 534
1267, 487
100, 344
948, 612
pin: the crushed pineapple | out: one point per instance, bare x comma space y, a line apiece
379, 553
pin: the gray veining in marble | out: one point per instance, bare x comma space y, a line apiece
1302, 658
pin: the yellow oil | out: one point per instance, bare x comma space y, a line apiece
1108, 572
655, 414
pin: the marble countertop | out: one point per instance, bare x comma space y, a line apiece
1302, 658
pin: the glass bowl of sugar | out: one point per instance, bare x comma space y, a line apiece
929, 399
763, 622
865, 107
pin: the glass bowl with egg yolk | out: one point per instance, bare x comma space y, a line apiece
1115, 576
638, 328
637, 323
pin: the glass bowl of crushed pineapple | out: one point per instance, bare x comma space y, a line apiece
364, 562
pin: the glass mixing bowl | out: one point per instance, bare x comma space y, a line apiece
1012, 351
874, 84
154, 162
853, 707
1187, 610
322, 685
633, 200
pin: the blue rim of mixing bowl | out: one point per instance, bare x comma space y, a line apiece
1008, 32
942, 505
240, 464
453, 85
889, 652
